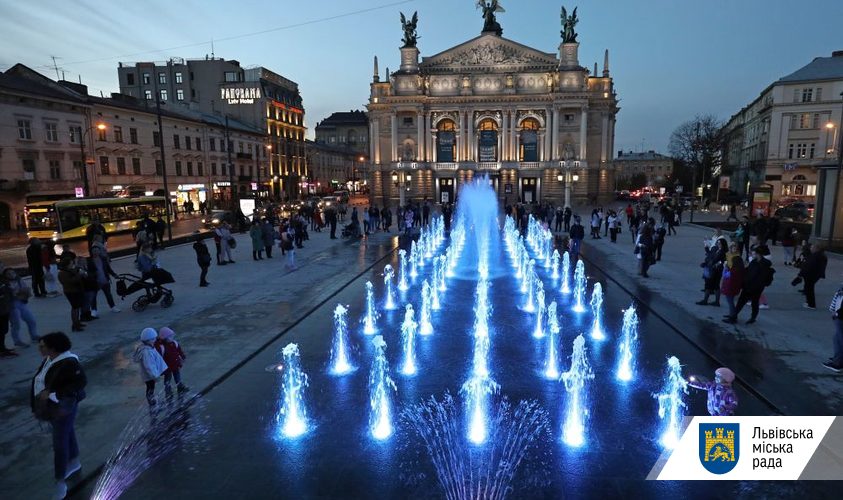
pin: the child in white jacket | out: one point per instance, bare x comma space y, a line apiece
152, 365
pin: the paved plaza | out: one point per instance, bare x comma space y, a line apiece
237, 327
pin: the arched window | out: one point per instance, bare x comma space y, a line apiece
799, 178
446, 140
487, 141
528, 149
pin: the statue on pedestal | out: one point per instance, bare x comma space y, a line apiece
568, 25
490, 22
410, 34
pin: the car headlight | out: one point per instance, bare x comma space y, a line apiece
203, 221
216, 221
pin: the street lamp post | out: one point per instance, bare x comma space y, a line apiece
85, 187
567, 165
402, 181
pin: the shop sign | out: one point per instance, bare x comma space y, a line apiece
80, 193
222, 184
190, 187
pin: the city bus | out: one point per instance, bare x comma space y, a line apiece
69, 219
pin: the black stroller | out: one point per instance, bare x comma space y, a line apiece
351, 231
128, 284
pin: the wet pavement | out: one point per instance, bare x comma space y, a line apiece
245, 457
247, 305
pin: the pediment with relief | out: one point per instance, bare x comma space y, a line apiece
489, 52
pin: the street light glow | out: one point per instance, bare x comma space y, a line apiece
829, 125
100, 126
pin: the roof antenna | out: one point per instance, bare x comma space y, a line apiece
212, 48
55, 66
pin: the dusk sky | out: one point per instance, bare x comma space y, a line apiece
670, 59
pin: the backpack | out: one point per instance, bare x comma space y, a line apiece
768, 277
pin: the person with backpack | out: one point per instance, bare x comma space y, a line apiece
759, 275
56, 390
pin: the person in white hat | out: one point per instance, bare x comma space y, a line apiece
151, 363
722, 400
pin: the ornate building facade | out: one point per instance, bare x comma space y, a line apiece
538, 124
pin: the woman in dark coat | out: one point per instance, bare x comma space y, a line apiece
713, 271
55, 393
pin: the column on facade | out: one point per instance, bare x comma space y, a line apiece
394, 137
513, 135
372, 140
470, 149
428, 143
420, 137
547, 135
503, 153
583, 132
604, 141
376, 140
554, 148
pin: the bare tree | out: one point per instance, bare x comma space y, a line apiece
696, 144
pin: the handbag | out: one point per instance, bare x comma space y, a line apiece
47, 410
232, 243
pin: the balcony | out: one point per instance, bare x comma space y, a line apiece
244, 178
244, 156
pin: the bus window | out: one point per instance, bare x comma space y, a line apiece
69, 218
104, 214
41, 221
119, 213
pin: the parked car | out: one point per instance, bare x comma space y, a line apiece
330, 201
217, 217
797, 211
343, 196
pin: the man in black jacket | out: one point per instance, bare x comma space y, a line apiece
759, 275
36, 268
56, 390
577, 233
812, 271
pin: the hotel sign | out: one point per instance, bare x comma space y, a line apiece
240, 95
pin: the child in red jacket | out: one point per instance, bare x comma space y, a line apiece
173, 356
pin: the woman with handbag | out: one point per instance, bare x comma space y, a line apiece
57, 389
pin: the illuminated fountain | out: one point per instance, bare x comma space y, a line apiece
340, 359
403, 283
425, 326
566, 273
443, 286
627, 345
381, 387
371, 316
293, 414
597, 312
414, 271
579, 287
388, 276
530, 304
439, 274
576, 404
408, 339
672, 403
551, 365
554, 265
538, 331
477, 392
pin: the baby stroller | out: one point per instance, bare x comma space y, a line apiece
128, 284
351, 231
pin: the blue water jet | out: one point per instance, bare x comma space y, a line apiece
381, 387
